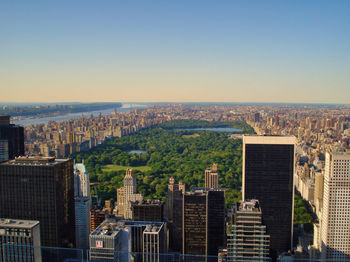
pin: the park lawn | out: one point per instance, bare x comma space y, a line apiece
118, 167
191, 136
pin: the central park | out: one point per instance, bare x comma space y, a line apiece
182, 149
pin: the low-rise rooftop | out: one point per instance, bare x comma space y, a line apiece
34, 161
17, 223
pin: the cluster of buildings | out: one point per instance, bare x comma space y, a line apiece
45, 201
189, 223
323, 142
61, 139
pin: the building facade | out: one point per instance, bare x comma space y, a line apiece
128, 240
110, 242
127, 194
268, 172
212, 177
19, 239
14, 135
335, 227
148, 210
4, 150
203, 224
82, 198
154, 243
173, 213
40, 189
97, 216
246, 235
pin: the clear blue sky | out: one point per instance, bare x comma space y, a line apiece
229, 51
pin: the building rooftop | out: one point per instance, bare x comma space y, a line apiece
80, 167
154, 202
111, 227
251, 205
17, 223
154, 228
202, 191
279, 140
34, 161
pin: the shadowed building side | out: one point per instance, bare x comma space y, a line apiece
268, 171
42, 189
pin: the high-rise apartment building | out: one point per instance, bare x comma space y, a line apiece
40, 189
82, 199
203, 226
127, 194
212, 177
268, 171
335, 226
173, 212
14, 135
246, 237
20, 240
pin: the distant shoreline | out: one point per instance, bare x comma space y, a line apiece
40, 119
51, 110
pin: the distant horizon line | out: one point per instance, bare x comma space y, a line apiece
167, 102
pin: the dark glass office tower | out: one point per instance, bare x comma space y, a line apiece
40, 189
203, 221
148, 210
268, 168
14, 135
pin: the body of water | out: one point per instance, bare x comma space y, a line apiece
43, 120
137, 152
215, 129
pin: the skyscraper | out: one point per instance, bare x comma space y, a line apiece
247, 239
173, 211
203, 226
40, 189
14, 135
212, 177
82, 198
268, 170
335, 224
127, 194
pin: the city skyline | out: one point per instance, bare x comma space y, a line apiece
175, 52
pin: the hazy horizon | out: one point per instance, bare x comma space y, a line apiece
177, 52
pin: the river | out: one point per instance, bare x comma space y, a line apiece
43, 120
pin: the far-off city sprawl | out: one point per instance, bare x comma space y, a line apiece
174, 131
177, 182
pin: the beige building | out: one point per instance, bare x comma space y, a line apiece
335, 228
212, 177
127, 194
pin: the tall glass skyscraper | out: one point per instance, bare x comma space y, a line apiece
42, 189
268, 168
